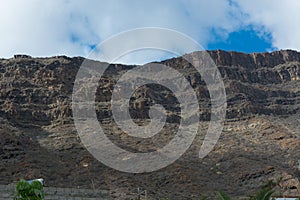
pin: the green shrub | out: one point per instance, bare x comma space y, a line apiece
29, 191
223, 196
264, 193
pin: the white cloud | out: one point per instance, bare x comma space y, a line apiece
52, 27
279, 18
34, 27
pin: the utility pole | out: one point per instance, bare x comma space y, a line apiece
138, 194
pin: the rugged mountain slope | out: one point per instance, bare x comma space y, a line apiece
260, 140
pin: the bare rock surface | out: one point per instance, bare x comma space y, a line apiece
260, 139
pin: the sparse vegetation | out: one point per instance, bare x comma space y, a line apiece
264, 193
223, 196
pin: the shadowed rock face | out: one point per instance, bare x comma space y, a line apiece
260, 139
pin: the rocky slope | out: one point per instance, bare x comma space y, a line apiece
260, 140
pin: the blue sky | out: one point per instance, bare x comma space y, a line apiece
73, 28
244, 40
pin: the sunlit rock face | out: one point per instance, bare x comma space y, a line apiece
260, 139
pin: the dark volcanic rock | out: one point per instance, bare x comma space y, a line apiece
260, 140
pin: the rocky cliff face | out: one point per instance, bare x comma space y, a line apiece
261, 134
39, 90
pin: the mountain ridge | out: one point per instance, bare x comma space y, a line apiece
261, 132
286, 55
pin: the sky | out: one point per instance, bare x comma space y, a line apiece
43, 28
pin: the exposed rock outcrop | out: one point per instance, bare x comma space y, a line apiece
260, 140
